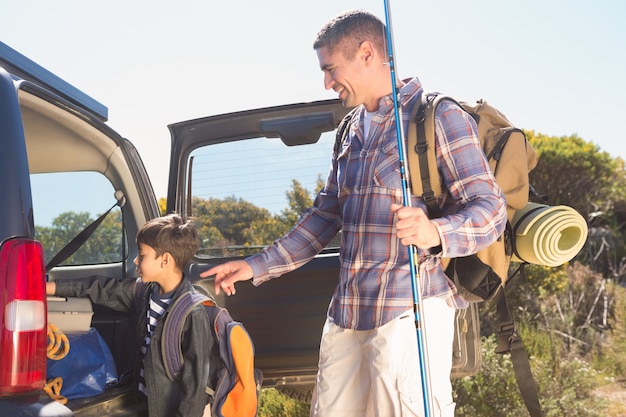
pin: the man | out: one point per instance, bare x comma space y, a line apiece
369, 363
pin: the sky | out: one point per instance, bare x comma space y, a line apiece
553, 66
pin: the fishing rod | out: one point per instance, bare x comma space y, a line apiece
406, 196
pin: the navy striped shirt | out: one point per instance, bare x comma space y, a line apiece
157, 307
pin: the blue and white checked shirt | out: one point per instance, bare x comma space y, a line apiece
375, 282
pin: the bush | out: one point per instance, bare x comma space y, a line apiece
564, 388
274, 404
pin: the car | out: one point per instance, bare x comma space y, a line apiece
74, 193
58, 153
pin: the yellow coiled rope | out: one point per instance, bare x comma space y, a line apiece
58, 348
53, 389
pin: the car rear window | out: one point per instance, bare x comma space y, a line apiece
247, 193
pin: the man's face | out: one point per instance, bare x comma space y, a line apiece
343, 76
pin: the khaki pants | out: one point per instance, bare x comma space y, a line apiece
376, 373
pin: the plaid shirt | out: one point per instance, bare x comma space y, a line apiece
375, 281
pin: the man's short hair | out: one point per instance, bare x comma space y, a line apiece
348, 30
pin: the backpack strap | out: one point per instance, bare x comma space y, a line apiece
425, 180
496, 152
173, 329
141, 290
342, 129
510, 342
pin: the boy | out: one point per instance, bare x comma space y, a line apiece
166, 244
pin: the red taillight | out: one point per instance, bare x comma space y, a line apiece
23, 320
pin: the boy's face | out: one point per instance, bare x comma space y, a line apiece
149, 265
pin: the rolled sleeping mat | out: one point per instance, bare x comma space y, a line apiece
546, 235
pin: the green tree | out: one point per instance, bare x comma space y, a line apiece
577, 173
162, 206
226, 226
299, 201
235, 227
104, 245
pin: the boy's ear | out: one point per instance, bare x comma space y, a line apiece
168, 260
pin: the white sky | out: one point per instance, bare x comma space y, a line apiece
553, 66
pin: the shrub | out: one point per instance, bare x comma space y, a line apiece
274, 404
564, 387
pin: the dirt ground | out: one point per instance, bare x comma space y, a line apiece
615, 394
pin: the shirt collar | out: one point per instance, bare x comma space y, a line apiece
411, 87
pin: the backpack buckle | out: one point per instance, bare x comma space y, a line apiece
506, 337
421, 148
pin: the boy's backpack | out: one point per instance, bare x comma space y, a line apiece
234, 383
482, 276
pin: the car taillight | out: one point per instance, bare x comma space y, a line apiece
23, 317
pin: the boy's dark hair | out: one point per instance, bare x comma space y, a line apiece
348, 30
173, 234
